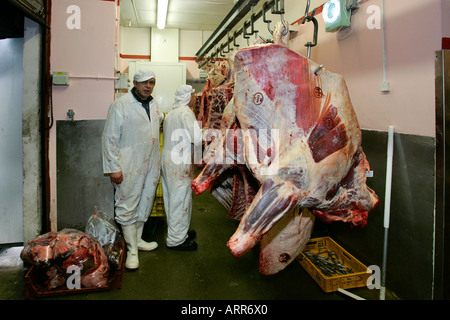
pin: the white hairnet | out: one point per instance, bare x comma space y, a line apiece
183, 95
143, 75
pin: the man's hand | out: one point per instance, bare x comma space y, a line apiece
116, 177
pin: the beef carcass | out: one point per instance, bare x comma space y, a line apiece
311, 156
57, 251
216, 77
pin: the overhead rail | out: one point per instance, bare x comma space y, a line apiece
240, 9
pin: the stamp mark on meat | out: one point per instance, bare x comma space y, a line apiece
318, 92
258, 98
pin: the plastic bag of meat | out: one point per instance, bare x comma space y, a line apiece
55, 252
102, 227
105, 230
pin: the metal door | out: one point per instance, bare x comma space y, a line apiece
81, 184
11, 176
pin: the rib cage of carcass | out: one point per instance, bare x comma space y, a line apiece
293, 141
215, 96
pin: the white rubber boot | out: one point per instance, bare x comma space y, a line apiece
142, 245
130, 236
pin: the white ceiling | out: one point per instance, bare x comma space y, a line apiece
182, 14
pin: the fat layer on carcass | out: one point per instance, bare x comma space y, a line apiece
285, 240
310, 153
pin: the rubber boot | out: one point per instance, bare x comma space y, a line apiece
142, 245
130, 236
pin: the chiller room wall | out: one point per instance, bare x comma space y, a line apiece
414, 31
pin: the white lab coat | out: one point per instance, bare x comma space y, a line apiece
181, 130
130, 143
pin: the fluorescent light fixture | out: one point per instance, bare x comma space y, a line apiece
331, 11
162, 13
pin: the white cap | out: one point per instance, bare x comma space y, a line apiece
143, 75
184, 90
183, 94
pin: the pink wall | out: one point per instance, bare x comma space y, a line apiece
89, 54
413, 33
88, 51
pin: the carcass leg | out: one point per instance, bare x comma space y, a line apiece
272, 201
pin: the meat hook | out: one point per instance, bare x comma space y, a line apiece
307, 11
286, 27
280, 11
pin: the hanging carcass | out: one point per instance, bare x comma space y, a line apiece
295, 132
217, 93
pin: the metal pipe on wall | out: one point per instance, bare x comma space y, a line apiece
387, 208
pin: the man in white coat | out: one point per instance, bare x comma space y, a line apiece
131, 156
181, 134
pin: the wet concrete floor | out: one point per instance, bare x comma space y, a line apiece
209, 273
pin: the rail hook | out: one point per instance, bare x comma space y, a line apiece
245, 34
308, 18
221, 49
252, 20
220, 56
228, 43
249, 23
213, 62
234, 41
265, 7
314, 43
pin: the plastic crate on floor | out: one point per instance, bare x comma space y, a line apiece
358, 277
